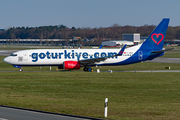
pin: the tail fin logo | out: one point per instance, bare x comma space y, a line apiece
156, 38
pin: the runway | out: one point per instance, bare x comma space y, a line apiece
165, 60
150, 71
12, 113
6, 52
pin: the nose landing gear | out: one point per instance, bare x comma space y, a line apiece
20, 70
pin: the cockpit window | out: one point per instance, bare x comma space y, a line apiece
13, 54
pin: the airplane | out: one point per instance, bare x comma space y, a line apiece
151, 48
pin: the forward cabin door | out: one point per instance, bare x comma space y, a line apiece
25, 56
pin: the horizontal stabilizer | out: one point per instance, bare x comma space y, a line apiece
159, 51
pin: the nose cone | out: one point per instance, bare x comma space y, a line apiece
7, 60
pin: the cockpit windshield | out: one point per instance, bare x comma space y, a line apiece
13, 54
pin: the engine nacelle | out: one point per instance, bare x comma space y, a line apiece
71, 65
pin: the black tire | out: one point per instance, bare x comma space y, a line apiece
85, 69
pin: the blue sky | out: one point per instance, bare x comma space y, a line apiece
87, 13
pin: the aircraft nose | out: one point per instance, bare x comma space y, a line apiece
7, 59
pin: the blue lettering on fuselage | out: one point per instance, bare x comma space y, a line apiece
69, 55
112, 53
47, 53
78, 55
85, 55
42, 55
96, 55
54, 55
34, 57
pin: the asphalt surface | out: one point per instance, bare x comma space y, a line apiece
6, 52
150, 71
165, 60
12, 113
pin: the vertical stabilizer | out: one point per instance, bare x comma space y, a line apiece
156, 39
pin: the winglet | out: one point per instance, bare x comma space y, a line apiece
121, 51
100, 47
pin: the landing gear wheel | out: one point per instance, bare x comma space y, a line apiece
87, 69
20, 70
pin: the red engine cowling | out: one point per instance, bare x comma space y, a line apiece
71, 65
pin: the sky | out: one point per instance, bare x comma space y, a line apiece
87, 13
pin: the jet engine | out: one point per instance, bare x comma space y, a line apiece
71, 65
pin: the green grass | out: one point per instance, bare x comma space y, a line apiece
132, 96
172, 54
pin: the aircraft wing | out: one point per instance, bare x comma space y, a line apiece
93, 60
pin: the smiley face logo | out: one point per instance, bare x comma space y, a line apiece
156, 37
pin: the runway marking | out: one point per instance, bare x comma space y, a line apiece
3, 119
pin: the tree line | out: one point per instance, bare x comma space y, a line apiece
62, 32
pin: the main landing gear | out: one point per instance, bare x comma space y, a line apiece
87, 69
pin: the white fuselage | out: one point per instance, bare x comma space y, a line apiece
55, 57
